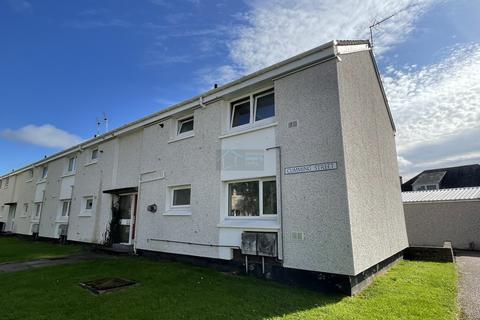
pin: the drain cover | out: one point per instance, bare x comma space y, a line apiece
107, 284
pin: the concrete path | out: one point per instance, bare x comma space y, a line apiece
33, 264
469, 283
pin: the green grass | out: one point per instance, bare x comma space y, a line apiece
13, 249
168, 290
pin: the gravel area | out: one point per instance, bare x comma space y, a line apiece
469, 287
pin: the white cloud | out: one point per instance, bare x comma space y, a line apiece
437, 110
276, 30
45, 135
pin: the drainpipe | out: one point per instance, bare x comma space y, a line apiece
280, 193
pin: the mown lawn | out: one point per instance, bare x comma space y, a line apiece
13, 249
168, 290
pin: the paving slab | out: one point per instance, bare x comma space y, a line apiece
468, 263
33, 264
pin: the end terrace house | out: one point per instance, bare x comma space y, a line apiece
268, 170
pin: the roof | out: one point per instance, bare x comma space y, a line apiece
454, 177
311, 57
453, 194
430, 178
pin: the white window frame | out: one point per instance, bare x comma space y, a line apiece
38, 211
60, 211
44, 173
74, 165
178, 210
261, 215
25, 209
252, 98
84, 211
180, 121
29, 175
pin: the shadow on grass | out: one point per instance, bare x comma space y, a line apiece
166, 290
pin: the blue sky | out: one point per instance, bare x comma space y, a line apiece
64, 63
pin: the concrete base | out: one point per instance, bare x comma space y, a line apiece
435, 254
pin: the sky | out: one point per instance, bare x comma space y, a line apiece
65, 63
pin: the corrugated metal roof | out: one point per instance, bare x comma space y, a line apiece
442, 195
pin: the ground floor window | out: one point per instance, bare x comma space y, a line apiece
181, 196
252, 198
65, 208
38, 210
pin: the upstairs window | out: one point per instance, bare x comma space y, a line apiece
6, 182
44, 172
29, 175
71, 164
185, 125
94, 155
240, 113
1, 181
255, 108
264, 106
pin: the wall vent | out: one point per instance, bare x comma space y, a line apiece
292, 124
298, 236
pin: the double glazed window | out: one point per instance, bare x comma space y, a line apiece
65, 208
185, 125
181, 196
44, 172
71, 165
252, 198
252, 109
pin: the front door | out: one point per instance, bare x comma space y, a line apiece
11, 218
126, 211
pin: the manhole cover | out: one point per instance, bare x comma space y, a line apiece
107, 284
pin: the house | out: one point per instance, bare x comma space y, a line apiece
445, 178
266, 172
434, 217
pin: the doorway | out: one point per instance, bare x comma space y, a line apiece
124, 231
10, 227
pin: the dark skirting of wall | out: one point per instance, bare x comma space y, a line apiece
271, 269
436, 254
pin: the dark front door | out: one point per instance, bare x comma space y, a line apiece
126, 205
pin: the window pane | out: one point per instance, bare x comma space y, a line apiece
65, 208
269, 197
44, 172
89, 204
94, 154
241, 114
185, 125
243, 199
71, 164
181, 197
265, 107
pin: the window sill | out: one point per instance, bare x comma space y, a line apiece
69, 174
182, 137
35, 220
42, 181
178, 212
85, 214
90, 163
61, 220
29, 180
250, 128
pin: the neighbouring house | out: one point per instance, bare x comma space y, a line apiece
445, 178
266, 172
437, 216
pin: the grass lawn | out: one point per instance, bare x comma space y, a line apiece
13, 249
169, 290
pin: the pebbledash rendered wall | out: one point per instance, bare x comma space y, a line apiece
433, 223
329, 107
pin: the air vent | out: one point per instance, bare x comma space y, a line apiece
292, 124
299, 236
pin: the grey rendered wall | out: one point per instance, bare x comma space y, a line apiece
314, 204
374, 196
24, 193
188, 161
51, 198
433, 223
